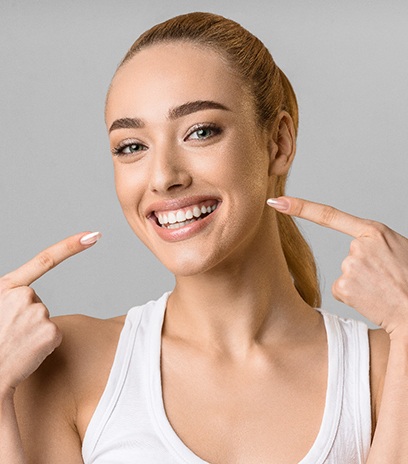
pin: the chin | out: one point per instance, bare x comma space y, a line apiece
187, 263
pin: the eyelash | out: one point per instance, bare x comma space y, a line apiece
119, 149
213, 128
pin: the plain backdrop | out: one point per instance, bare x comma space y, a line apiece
348, 63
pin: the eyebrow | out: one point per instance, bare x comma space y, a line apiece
193, 107
174, 113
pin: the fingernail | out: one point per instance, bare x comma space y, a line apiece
279, 204
91, 238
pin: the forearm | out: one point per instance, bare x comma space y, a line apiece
390, 443
11, 448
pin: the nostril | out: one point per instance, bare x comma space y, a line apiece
175, 186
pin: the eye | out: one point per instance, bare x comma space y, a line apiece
128, 148
203, 132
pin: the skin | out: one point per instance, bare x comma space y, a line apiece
251, 317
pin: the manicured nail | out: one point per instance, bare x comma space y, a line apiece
279, 204
91, 238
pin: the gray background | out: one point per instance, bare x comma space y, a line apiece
347, 61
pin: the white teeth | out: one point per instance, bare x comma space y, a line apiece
179, 224
175, 220
163, 219
172, 218
180, 216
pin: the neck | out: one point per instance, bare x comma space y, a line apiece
242, 302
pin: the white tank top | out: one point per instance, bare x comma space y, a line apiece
130, 424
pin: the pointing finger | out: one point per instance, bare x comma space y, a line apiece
50, 258
323, 215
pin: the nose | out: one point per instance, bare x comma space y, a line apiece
168, 171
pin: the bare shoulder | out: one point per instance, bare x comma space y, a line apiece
55, 403
379, 349
88, 348
85, 341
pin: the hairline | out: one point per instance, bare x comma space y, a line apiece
199, 44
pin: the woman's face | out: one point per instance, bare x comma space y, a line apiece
191, 165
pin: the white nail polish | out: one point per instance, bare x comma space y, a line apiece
279, 204
91, 238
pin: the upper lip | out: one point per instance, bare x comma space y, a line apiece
177, 203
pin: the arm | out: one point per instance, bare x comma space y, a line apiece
11, 447
27, 338
390, 438
37, 424
374, 281
46, 406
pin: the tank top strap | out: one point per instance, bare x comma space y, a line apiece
357, 395
118, 376
345, 432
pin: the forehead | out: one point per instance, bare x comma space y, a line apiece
166, 75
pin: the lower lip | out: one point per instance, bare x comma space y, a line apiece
184, 233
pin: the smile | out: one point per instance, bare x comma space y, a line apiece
184, 216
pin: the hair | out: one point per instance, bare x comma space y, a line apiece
272, 93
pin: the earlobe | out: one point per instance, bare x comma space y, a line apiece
282, 145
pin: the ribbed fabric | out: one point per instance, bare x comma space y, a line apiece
130, 424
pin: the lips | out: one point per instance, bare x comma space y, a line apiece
183, 215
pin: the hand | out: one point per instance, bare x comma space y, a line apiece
375, 273
27, 335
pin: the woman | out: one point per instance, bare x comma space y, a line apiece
235, 364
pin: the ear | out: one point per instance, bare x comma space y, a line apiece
282, 145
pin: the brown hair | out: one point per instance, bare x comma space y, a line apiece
271, 91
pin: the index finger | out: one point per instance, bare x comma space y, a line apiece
49, 258
324, 215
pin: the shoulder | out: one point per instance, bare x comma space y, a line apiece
379, 349
83, 336
71, 380
86, 341
87, 352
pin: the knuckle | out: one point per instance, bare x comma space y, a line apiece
71, 247
335, 291
5, 283
345, 265
26, 294
297, 207
38, 314
354, 246
377, 229
349, 264
45, 260
42, 311
340, 289
51, 330
328, 215
52, 334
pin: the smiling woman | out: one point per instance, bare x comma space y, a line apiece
253, 74
235, 364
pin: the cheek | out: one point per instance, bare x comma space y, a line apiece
249, 170
128, 189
